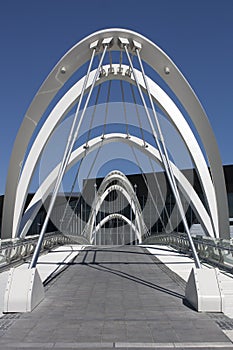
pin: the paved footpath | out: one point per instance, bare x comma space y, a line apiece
117, 297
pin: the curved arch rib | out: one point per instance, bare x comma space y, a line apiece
116, 216
161, 63
130, 197
68, 100
186, 187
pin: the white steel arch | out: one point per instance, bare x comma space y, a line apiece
160, 97
116, 216
163, 65
126, 189
97, 142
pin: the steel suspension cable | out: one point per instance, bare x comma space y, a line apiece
157, 125
151, 164
167, 164
96, 156
142, 173
88, 175
137, 113
149, 190
93, 114
127, 130
107, 106
161, 194
80, 163
106, 110
66, 156
88, 138
124, 107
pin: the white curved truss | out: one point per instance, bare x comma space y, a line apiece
69, 100
128, 192
186, 188
116, 216
215, 191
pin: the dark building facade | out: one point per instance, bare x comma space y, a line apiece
71, 211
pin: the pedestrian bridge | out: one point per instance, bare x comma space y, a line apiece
116, 297
121, 267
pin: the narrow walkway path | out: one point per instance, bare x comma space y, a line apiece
116, 297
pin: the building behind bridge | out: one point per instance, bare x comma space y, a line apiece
80, 205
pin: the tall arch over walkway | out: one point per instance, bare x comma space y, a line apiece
117, 39
94, 144
69, 99
124, 186
116, 216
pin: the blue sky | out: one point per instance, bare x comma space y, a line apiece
197, 35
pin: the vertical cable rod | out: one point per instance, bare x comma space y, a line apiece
172, 177
151, 164
66, 156
80, 164
164, 155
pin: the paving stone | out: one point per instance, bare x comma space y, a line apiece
117, 294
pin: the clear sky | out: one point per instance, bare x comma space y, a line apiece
197, 35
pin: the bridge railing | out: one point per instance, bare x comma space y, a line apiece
218, 252
15, 250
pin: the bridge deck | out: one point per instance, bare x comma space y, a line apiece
118, 297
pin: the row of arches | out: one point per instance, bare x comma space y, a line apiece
45, 188
125, 187
213, 217
58, 114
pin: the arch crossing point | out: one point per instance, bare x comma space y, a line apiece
116, 216
133, 43
69, 99
124, 186
186, 187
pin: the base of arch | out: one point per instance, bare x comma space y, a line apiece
203, 290
24, 290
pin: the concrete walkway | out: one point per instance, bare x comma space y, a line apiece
49, 264
118, 297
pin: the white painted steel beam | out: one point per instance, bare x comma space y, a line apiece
150, 151
128, 193
68, 100
116, 216
65, 68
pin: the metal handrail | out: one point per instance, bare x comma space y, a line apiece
15, 250
215, 251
